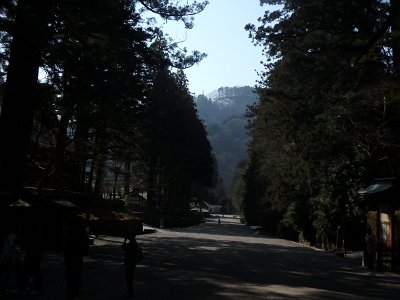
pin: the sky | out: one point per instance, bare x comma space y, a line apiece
232, 58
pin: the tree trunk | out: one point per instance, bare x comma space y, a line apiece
151, 185
81, 143
127, 178
59, 155
99, 162
100, 167
117, 171
29, 38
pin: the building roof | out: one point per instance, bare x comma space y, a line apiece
381, 187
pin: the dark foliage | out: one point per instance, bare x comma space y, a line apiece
328, 120
105, 74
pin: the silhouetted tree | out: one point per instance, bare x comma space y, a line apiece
93, 39
179, 154
325, 124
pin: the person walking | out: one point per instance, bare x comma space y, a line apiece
34, 246
76, 247
10, 270
369, 252
133, 254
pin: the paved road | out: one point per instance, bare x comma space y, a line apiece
226, 261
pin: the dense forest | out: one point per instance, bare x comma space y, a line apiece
328, 121
112, 100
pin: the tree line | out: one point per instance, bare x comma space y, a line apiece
112, 98
328, 120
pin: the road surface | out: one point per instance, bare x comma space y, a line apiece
221, 261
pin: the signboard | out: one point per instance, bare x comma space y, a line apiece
385, 235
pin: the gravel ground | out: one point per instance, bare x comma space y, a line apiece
219, 261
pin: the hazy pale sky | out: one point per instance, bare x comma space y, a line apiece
219, 31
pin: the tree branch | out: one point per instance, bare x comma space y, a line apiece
394, 13
169, 11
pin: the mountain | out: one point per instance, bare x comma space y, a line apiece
223, 112
224, 103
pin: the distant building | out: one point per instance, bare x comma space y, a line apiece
213, 209
135, 201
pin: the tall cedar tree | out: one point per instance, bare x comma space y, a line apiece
320, 129
30, 36
179, 154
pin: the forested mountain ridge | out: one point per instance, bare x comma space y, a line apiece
224, 103
223, 112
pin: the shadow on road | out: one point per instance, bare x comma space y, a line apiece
223, 261
218, 266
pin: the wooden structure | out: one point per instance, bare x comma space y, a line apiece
53, 211
49, 215
383, 201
